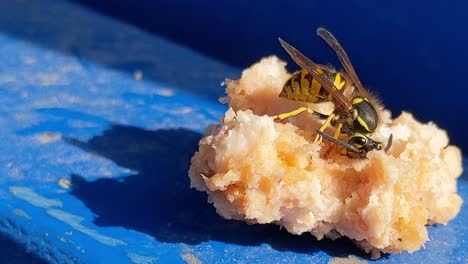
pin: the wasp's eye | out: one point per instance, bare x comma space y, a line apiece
362, 140
358, 141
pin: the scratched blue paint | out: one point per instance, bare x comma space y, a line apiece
33, 198
71, 109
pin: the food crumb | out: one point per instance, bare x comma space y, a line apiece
191, 259
348, 260
64, 183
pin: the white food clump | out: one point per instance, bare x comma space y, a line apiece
261, 171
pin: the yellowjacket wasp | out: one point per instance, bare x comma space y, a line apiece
356, 111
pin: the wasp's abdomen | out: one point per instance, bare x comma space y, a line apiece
302, 86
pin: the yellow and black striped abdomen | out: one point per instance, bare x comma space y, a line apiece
302, 86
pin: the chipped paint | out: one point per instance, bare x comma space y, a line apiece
137, 75
82, 124
164, 92
182, 111
22, 213
48, 137
28, 60
139, 259
16, 174
25, 193
75, 222
45, 79
7, 79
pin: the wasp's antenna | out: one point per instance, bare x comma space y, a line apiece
338, 142
389, 143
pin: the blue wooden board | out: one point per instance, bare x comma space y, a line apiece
117, 113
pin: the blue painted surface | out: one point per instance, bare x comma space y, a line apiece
72, 111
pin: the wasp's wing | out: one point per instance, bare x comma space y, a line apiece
309, 66
342, 56
328, 68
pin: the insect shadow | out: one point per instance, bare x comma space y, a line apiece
158, 201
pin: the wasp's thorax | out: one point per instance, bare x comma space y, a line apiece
365, 117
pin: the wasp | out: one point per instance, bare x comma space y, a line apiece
356, 112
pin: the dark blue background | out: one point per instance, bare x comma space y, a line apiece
412, 53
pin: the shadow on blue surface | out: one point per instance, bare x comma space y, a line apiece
157, 200
12, 252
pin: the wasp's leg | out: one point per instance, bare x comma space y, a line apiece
335, 135
338, 130
324, 126
298, 111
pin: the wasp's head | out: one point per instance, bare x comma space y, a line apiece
362, 144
